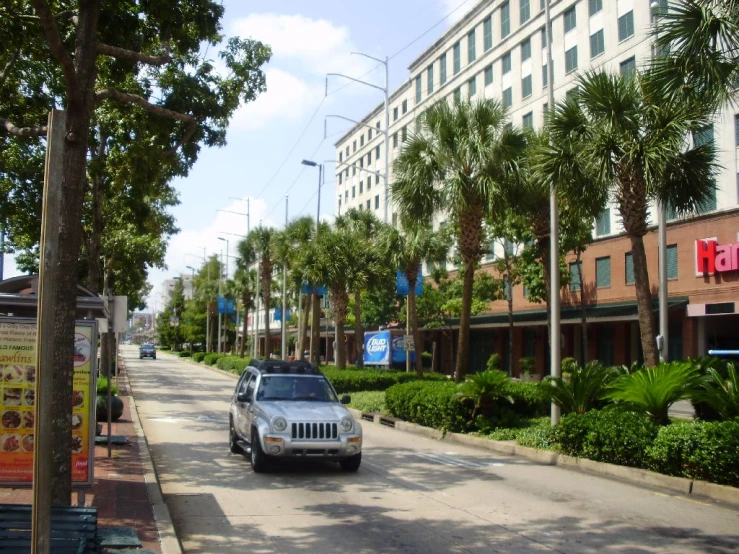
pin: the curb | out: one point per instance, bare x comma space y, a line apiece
637, 476
167, 537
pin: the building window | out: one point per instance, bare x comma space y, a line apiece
626, 26
487, 33
506, 62
369, 183
472, 86
346, 196
361, 163
571, 60
505, 20
430, 79
489, 80
603, 272
458, 94
361, 187
525, 11
347, 151
340, 178
672, 261
377, 178
339, 204
526, 86
629, 268
572, 94
405, 107
603, 223
528, 120
597, 44
525, 49
353, 191
361, 140
507, 97
606, 345
594, 6
395, 113
575, 280
369, 135
354, 146
377, 202
627, 67
736, 130
418, 89
377, 153
395, 140
354, 170
570, 18
471, 52
544, 75
457, 57
369, 158
543, 37
369, 203
404, 133
442, 69
341, 156
703, 136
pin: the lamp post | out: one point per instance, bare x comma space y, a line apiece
385, 90
284, 299
222, 327
315, 316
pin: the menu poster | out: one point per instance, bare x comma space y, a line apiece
18, 395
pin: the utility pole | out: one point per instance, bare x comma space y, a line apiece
284, 298
554, 323
220, 294
315, 308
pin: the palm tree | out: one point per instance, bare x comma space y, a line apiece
698, 41
407, 250
631, 136
294, 239
206, 291
261, 241
245, 283
368, 269
455, 165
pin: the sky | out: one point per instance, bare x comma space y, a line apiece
268, 138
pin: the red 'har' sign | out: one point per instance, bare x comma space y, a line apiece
712, 257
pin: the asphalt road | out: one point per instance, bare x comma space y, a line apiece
411, 495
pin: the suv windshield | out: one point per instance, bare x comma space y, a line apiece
291, 387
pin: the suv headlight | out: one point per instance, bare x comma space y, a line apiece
346, 424
279, 424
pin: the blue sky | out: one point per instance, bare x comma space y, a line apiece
309, 39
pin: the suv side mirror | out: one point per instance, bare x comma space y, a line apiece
346, 399
244, 397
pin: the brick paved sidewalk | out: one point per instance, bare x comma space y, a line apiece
120, 491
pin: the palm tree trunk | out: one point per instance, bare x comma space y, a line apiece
463, 354
358, 330
246, 299
510, 330
267, 297
414, 328
212, 326
339, 304
545, 249
315, 329
583, 311
302, 341
644, 301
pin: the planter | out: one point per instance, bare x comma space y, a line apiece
101, 413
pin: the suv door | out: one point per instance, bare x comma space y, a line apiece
248, 411
240, 407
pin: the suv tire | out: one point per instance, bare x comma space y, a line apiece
257, 458
233, 445
352, 463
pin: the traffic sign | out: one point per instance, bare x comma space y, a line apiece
408, 343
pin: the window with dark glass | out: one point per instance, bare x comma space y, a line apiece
597, 44
471, 49
570, 19
442, 69
626, 26
525, 49
526, 86
487, 33
457, 57
505, 20
571, 59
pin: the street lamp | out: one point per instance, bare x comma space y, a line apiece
228, 251
316, 320
385, 90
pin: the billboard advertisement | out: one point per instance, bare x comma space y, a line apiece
399, 351
384, 348
18, 395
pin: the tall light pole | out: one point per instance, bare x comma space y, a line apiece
662, 237
385, 90
284, 299
554, 324
222, 329
315, 316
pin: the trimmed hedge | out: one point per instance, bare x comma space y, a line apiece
371, 379
234, 364
198, 356
368, 401
211, 358
184, 354
611, 435
529, 399
430, 403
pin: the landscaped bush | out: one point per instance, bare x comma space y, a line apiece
698, 450
538, 434
611, 435
529, 399
430, 403
234, 364
583, 390
198, 356
184, 354
211, 358
371, 379
368, 401
718, 392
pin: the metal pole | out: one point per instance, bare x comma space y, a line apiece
554, 304
407, 333
387, 141
318, 208
256, 323
2, 252
284, 298
220, 283
207, 308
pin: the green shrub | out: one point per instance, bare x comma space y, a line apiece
184, 354
102, 386
486, 390
528, 366
371, 379
493, 362
538, 434
583, 390
719, 392
198, 356
211, 358
430, 403
234, 364
427, 358
368, 401
529, 398
673, 449
611, 435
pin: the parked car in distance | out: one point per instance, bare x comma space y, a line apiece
285, 409
147, 351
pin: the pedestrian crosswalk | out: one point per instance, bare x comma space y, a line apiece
453, 460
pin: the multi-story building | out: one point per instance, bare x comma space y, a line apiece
169, 284
498, 50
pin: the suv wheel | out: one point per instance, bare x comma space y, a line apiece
233, 445
258, 458
351, 464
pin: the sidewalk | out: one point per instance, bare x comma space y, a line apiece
120, 492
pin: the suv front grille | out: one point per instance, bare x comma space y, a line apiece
315, 431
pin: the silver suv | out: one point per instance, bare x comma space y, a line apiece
288, 410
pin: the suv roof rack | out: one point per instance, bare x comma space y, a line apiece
282, 366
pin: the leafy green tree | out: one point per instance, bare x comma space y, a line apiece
484, 388
634, 136
261, 241
456, 165
169, 324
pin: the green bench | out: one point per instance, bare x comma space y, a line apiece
73, 529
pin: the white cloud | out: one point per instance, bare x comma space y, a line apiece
447, 6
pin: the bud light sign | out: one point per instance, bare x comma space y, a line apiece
377, 348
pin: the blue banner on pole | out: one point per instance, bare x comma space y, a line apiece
402, 286
307, 288
226, 305
377, 348
278, 313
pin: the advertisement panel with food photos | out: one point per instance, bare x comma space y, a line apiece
18, 401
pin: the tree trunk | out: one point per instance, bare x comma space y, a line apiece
358, 330
414, 327
510, 330
267, 297
246, 299
315, 329
302, 342
644, 301
339, 304
583, 310
213, 327
546, 262
464, 321
98, 223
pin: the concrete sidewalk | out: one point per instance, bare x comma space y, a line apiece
125, 492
